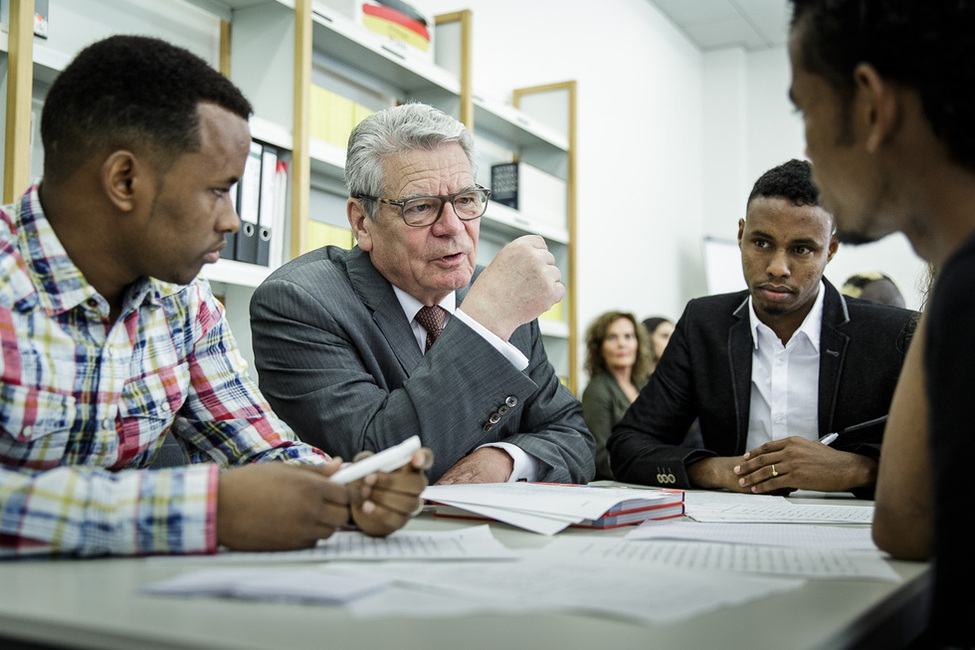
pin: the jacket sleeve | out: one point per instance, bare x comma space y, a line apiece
89, 511
645, 446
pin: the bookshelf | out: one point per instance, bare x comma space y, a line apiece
275, 50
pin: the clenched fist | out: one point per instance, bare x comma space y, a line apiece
521, 283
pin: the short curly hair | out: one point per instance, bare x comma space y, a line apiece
596, 334
925, 45
791, 180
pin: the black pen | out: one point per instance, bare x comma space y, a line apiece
830, 437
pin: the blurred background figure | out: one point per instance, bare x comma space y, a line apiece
873, 286
659, 329
618, 361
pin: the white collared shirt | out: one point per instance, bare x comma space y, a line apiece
785, 379
524, 465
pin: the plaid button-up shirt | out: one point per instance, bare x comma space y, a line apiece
85, 404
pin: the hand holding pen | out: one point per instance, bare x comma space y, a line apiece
829, 438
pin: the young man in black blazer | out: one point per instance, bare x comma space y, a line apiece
770, 370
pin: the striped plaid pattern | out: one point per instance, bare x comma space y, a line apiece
85, 406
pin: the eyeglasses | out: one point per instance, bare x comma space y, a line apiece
426, 210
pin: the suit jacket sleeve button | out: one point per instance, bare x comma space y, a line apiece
511, 401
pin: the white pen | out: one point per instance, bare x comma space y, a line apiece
385, 461
830, 437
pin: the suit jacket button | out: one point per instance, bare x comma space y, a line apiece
495, 418
511, 401
503, 409
487, 426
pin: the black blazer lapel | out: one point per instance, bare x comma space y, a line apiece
740, 347
377, 294
833, 343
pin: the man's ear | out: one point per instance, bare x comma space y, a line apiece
877, 105
834, 245
741, 231
360, 223
122, 178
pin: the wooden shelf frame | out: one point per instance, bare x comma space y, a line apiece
571, 90
20, 80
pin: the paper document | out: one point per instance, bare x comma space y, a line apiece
475, 543
269, 584
714, 507
547, 508
847, 538
539, 584
702, 556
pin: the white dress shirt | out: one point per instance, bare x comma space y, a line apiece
785, 379
524, 464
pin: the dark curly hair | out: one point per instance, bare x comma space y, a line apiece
791, 180
130, 92
596, 334
923, 44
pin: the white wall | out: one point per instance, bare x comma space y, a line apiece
671, 140
639, 133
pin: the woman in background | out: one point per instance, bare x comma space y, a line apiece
618, 361
659, 329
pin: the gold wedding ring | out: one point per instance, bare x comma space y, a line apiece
774, 473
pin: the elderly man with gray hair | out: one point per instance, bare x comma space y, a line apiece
344, 340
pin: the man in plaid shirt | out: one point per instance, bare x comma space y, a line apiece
109, 339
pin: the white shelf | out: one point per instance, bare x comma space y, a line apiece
339, 37
237, 273
271, 133
327, 158
553, 328
520, 224
512, 125
224, 9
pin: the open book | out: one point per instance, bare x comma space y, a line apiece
548, 508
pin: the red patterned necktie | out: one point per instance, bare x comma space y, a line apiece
432, 319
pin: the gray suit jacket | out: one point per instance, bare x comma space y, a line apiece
338, 361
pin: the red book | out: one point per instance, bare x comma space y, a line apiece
612, 519
540, 506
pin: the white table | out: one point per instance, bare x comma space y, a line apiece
94, 603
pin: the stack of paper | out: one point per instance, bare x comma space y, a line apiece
269, 584
726, 507
549, 508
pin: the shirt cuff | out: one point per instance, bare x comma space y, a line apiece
510, 352
210, 527
525, 467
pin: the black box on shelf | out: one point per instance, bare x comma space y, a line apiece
504, 184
